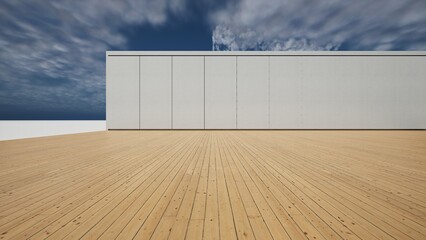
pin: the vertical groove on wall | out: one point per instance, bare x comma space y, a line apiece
139, 92
171, 92
236, 92
204, 118
106, 91
269, 92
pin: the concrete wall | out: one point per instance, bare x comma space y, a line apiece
266, 90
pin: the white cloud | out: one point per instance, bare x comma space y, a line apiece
320, 25
63, 43
52, 51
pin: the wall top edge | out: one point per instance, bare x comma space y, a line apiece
266, 53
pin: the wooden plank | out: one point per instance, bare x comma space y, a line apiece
211, 220
241, 219
215, 185
96, 210
144, 223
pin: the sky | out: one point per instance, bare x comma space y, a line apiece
52, 52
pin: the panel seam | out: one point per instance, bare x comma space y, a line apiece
269, 92
236, 92
171, 92
139, 92
204, 72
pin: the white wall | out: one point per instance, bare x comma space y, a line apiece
221, 87
411, 94
188, 92
28, 129
252, 92
122, 91
274, 90
286, 93
347, 92
155, 92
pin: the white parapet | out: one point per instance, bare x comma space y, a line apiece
28, 129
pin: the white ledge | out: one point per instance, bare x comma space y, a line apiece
28, 129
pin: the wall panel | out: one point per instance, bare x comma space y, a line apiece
410, 82
220, 76
345, 92
286, 93
155, 92
188, 92
370, 96
252, 92
122, 92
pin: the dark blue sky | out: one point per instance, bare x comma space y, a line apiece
52, 53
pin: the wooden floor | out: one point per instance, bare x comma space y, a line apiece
215, 185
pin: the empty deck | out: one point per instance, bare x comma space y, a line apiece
215, 185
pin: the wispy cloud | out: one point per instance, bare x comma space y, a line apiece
320, 25
52, 52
